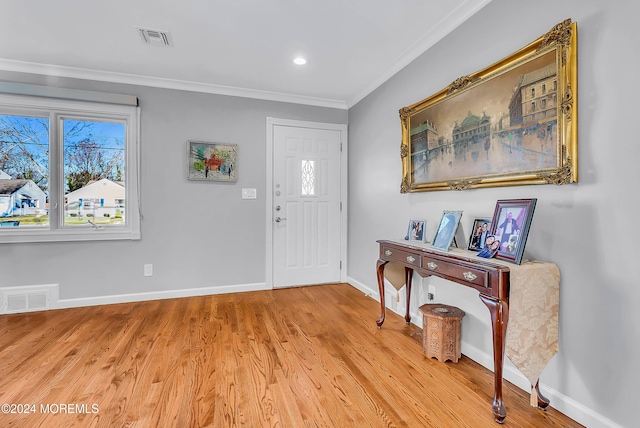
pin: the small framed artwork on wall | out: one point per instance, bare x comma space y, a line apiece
212, 161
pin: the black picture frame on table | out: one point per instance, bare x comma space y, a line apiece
476, 240
510, 225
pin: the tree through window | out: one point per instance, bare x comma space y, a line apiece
67, 166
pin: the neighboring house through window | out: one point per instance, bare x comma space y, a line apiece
68, 167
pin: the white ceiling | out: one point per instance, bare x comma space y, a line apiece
233, 47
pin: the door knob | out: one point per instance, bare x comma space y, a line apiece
279, 219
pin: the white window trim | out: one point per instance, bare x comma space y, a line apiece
56, 108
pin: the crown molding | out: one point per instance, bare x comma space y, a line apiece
445, 26
133, 79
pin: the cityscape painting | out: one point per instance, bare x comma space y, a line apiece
512, 123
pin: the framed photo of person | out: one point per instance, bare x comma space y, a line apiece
510, 225
446, 230
416, 230
490, 248
480, 230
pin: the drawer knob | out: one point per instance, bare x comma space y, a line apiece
432, 266
411, 259
469, 276
388, 253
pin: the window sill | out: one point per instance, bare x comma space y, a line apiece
90, 234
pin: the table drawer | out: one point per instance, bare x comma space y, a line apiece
404, 257
466, 274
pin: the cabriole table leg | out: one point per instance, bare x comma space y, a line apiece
499, 319
380, 272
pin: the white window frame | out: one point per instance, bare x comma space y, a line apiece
57, 110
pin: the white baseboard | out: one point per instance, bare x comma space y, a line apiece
156, 295
366, 290
566, 405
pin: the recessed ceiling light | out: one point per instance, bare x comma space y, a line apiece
299, 61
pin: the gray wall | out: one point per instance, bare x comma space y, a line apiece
196, 234
204, 235
589, 229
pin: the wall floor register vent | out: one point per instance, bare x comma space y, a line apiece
27, 298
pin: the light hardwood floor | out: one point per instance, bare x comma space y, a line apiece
298, 357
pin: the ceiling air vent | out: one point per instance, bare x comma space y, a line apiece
155, 37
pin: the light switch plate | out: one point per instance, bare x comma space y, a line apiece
249, 193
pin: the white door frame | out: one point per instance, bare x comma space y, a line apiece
271, 122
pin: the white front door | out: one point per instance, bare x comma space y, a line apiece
306, 205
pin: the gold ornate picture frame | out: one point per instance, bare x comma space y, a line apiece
512, 123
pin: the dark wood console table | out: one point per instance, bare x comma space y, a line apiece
492, 280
